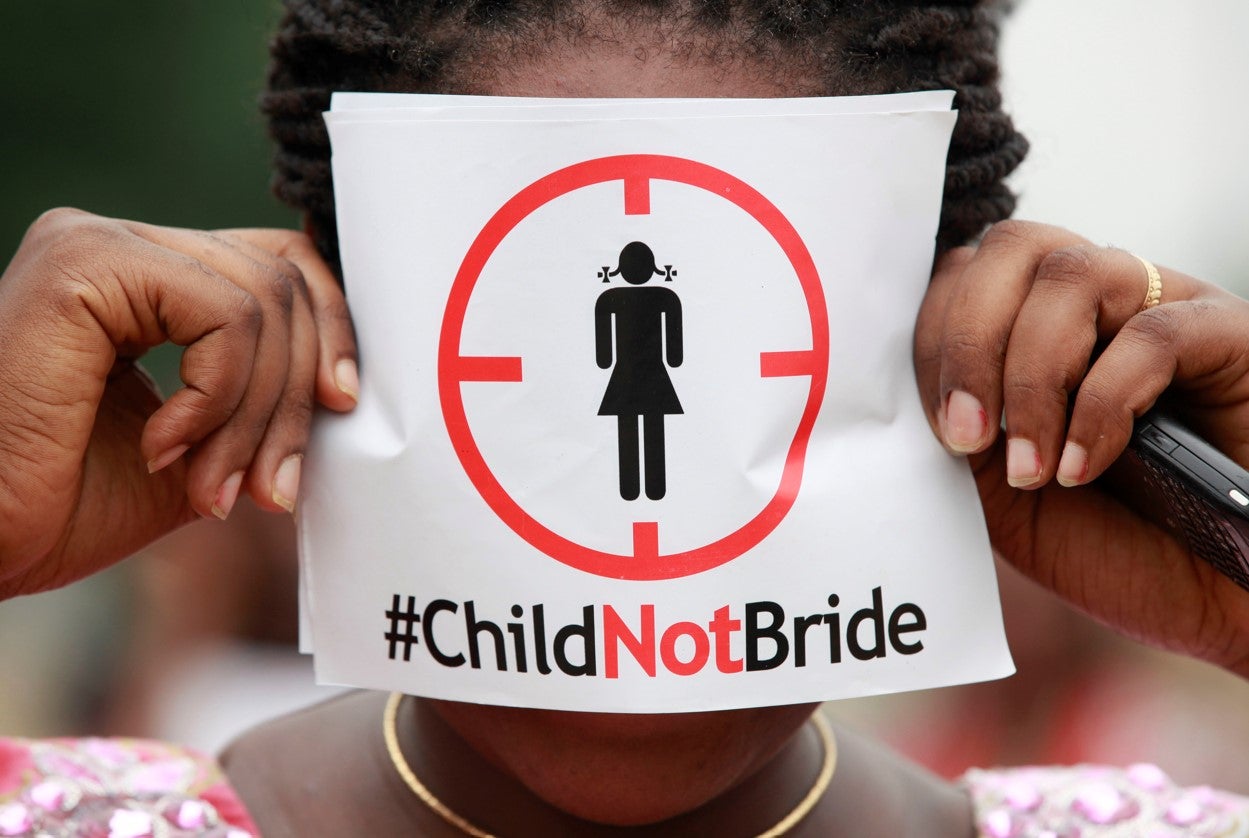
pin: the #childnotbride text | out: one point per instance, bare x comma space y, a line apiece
455, 634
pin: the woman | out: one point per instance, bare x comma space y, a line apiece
1008, 326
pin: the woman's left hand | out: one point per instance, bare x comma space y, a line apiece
1043, 327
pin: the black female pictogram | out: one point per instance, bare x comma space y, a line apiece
644, 325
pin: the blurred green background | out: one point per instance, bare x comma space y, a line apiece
144, 109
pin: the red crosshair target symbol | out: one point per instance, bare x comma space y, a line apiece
636, 171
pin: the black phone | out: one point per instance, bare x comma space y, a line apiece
1172, 476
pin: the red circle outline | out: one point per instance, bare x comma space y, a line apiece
524, 203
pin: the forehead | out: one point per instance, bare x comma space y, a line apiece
627, 76
608, 57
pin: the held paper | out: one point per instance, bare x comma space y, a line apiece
638, 427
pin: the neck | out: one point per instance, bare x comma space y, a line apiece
497, 801
292, 789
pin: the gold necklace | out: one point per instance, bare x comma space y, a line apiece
443, 811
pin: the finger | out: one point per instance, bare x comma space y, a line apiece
219, 324
978, 323
1181, 341
273, 481
926, 348
337, 383
1080, 295
220, 462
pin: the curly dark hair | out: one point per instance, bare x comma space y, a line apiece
856, 46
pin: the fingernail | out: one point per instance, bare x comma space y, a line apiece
347, 378
1073, 468
227, 495
966, 423
1023, 463
157, 463
286, 482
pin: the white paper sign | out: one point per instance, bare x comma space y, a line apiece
638, 426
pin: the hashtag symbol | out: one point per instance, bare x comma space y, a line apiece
402, 625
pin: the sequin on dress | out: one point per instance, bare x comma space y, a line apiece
114, 788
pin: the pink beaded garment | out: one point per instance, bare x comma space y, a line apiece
123, 788
114, 788
1088, 801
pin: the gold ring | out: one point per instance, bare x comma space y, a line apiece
1153, 295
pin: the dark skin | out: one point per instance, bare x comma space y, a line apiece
284, 777
1013, 325
1009, 327
93, 462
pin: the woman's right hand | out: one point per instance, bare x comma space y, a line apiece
92, 465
